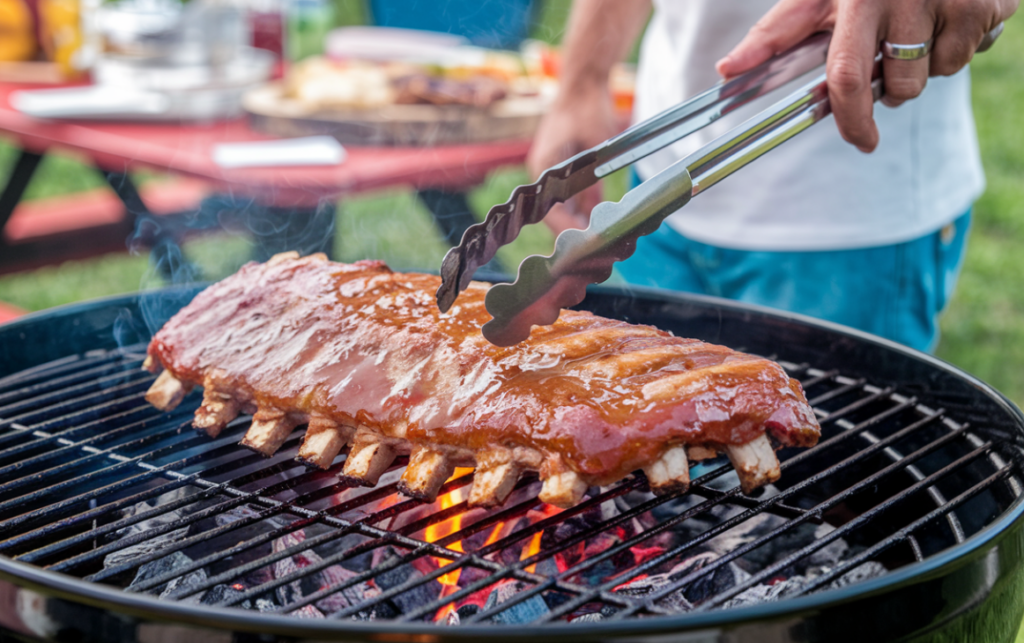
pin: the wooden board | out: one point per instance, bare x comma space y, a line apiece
272, 112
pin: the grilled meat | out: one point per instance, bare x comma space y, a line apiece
362, 355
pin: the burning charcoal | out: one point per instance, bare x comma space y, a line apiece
831, 554
588, 618
676, 601
157, 542
524, 612
465, 611
219, 593
778, 547
867, 571
765, 593
292, 592
176, 560
336, 575
360, 563
265, 604
745, 532
453, 618
307, 611
234, 515
415, 597
709, 585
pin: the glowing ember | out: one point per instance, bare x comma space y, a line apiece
238, 586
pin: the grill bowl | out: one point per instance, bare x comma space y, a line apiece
953, 593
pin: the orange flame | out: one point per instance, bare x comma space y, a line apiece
531, 548
433, 533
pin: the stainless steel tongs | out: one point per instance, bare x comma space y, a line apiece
545, 285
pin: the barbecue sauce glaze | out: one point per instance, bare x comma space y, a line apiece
364, 345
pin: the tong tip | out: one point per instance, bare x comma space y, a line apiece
451, 275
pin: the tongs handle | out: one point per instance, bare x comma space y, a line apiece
545, 285
677, 122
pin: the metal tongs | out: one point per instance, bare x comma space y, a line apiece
545, 285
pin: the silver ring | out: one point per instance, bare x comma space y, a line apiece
990, 38
907, 52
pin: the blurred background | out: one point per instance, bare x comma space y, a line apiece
507, 51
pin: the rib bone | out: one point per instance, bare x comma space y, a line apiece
492, 484
427, 471
670, 473
563, 490
755, 463
167, 391
282, 257
152, 365
270, 428
217, 410
324, 440
369, 458
219, 405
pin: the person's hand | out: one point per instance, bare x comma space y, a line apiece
859, 27
579, 120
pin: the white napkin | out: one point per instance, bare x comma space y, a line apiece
92, 101
310, 150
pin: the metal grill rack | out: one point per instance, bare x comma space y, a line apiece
88, 470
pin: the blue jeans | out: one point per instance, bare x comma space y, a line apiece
895, 291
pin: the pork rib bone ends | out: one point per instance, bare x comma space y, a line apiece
362, 355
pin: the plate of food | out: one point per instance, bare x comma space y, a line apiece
471, 95
394, 87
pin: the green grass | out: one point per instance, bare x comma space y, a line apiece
983, 330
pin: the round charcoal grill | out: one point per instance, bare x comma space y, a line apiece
118, 522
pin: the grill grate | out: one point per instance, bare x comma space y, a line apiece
97, 484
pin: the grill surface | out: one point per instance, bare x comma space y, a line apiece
97, 485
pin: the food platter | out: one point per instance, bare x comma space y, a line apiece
272, 111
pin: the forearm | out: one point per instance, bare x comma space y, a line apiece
600, 34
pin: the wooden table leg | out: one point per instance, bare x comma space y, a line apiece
162, 238
19, 179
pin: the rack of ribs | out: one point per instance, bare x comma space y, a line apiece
362, 355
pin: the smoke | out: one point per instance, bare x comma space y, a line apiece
188, 250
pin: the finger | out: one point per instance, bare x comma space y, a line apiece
543, 155
786, 24
908, 24
588, 199
851, 57
961, 32
561, 217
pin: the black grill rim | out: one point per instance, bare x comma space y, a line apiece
151, 608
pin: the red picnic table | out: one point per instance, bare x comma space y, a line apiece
289, 196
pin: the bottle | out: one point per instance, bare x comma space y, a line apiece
308, 24
17, 34
62, 33
266, 22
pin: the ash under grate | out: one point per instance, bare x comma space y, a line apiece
96, 484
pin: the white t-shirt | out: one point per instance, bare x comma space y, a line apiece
814, 192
